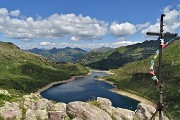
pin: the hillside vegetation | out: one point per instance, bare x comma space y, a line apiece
118, 57
134, 77
24, 72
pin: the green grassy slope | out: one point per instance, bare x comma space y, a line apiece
24, 72
134, 77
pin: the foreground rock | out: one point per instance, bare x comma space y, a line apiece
105, 104
145, 112
4, 92
123, 114
34, 107
11, 111
86, 111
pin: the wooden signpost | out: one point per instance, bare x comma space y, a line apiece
160, 104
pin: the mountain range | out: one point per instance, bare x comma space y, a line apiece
67, 54
60, 54
116, 58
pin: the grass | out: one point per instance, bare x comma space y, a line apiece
95, 103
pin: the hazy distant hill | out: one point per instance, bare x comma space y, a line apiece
60, 54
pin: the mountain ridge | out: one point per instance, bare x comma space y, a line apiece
66, 54
119, 56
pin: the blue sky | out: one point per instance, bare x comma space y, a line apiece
83, 23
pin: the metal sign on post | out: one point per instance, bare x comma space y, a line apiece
160, 104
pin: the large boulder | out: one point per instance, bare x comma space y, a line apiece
42, 104
57, 115
105, 104
36, 114
29, 104
11, 111
35, 103
82, 110
145, 112
58, 112
123, 114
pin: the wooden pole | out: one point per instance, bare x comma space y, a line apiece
160, 71
160, 105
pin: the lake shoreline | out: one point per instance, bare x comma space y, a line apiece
38, 92
125, 93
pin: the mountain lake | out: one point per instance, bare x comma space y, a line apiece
85, 89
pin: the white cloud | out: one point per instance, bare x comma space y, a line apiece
73, 38
46, 43
91, 45
15, 13
122, 43
121, 39
4, 12
122, 29
167, 9
142, 26
77, 27
171, 21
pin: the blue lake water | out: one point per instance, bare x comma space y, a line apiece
86, 88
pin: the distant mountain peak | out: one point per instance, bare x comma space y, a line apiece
66, 54
102, 49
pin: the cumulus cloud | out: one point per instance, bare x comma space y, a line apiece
91, 45
171, 21
122, 29
140, 27
46, 43
123, 43
77, 27
15, 13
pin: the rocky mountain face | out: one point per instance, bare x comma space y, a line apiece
34, 107
60, 54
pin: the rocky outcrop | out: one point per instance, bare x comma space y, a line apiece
11, 111
4, 92
123, 114
105, 104
86, 111
36, 114
34, 107
145, 112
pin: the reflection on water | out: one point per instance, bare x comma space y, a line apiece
84, 89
